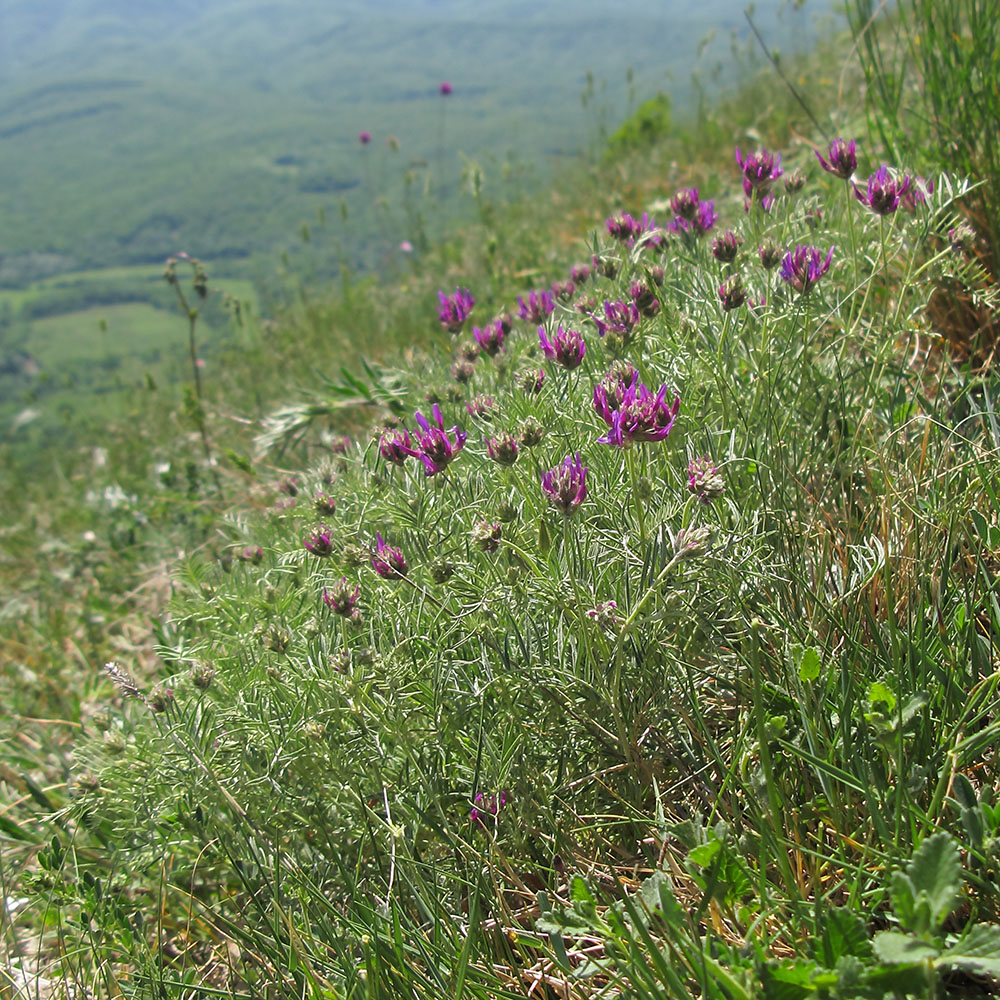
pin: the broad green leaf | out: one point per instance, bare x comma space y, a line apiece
936, 872
904, 897
965, 794
878, 695
704, 853
843, 933
809, 664
896, 948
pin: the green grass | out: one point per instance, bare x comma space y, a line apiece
768, 769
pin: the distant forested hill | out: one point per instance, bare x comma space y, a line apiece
130, 128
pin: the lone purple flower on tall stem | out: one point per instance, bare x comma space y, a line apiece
567, 347
566, 485
434, 445
454, 310
843, 159
884, 192
759, 170
804, 266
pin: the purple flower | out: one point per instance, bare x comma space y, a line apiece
579, 273
320, 542
563, 290
490, 338
640, 416
644, 298
481, 407
843, 159
567, 347
454, 310
252, 554
685, 204
445, 88
537, 308
916, 194
364, 138
289, 485
759, 170
387, 561
566, 484
486, 807
884, 191
434, 446
704, 480
606, 616
341, 599
622, 227
395, 447
732, 293
804, 266
705, 217
324, 504
616, 384
502, 449
770, 254
532, 382
620, 318
726, 247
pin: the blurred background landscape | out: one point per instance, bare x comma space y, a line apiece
229, 130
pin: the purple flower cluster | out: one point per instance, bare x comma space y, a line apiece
502, 449
567, 347
732, 293
487, 806
704, 480
620, 318
395, 447
539, 305
692, 217
320, 542
491, 337
566, 485
639, 416
630, 231
454, 310
804, 266
387, 561
435, 446
341, 599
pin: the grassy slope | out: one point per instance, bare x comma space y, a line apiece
801, 772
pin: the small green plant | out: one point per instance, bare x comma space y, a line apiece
648, 124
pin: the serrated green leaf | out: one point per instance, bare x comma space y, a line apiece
790, 980
896, 948
903, 896
935, 871
809, 664
978, 951
913, 705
